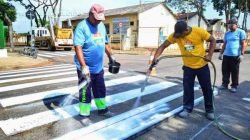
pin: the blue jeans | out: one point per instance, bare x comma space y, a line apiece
203, 75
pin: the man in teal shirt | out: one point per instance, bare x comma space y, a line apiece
232, 54
90, 41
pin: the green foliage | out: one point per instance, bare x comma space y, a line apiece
9, 9
6, 34
187, 5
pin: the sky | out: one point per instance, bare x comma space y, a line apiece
71, 8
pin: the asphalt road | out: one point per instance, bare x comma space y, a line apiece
41, 103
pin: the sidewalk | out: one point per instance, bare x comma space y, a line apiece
145, 51
17, 61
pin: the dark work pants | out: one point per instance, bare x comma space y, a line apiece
203, 75
230, 67
97, 84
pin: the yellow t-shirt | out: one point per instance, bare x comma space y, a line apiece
192, 44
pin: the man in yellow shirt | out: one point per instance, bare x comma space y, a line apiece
191, 43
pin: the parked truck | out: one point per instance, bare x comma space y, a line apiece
53, 38
217, 29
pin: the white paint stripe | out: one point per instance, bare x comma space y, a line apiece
17, 125
246, 99
43, 55
155, 121
7, 102
47, 70
32, 84
43, 75
53, 54
131, 125
28, 85
66, 53
111, 121
124, 80
35, 69
204, 128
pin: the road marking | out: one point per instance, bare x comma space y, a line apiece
45, 71
111, 123
204, 128
43, 55
41, 76
53, 54
129, 123
65, 53
35, 69
17, 125
40, 83
246, 99
17, 100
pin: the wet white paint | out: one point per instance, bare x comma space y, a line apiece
17, 125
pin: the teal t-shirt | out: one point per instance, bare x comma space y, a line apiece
233, 42
92, 39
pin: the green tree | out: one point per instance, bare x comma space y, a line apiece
225, 7
186, 5
8, 14
243, 6
41, 5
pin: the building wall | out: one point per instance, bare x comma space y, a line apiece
132, 19
194, 22
151, 23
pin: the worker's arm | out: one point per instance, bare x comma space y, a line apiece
80, 56
161, 49
212, 44
243, 46
223, 48
108, 50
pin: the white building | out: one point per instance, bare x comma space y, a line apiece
145, 25
192, 19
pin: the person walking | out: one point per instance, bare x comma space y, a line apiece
231, 54
191, 43
90, 42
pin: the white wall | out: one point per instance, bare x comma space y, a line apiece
194, 22
150, 22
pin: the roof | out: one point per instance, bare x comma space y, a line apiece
213, 21
125, 10
185, 16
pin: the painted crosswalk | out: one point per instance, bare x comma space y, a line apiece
47, 54
37, 87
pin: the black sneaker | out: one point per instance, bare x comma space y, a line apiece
184, 113
233, 90
107, 114
222, 87
210, 116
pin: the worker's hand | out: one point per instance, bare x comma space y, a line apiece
240, 58
154, 63
86, 73
111, 59
208, 58
220, 57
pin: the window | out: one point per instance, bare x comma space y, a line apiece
107, 28
131, 23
